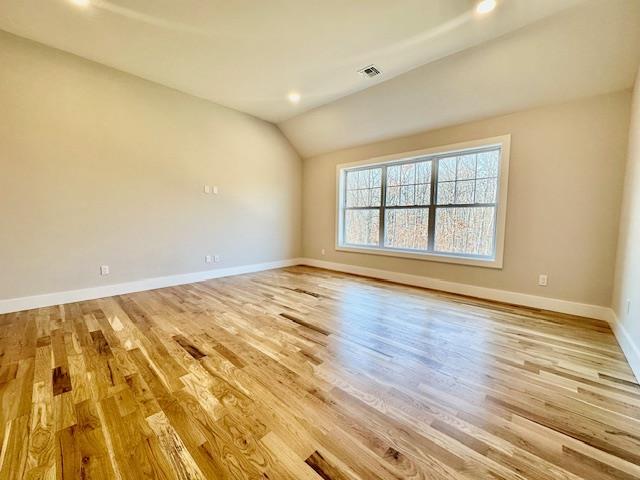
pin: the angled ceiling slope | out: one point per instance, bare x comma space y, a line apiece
590, 49
249, 54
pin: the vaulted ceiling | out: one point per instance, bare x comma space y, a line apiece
588, 50
441, 62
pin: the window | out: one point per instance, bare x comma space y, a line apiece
446, 204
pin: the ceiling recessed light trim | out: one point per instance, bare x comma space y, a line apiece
485, 6
294, 97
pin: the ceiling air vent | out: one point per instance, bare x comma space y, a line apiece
370, 71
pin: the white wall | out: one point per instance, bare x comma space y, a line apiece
101, 167
565, 183
627, 277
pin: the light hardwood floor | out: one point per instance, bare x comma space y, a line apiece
302, 373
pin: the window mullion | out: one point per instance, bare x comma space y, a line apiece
431, 226
383, 202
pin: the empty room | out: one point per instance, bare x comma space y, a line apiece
320, 240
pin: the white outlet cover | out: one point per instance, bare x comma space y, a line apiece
216, 258
104, 269
207, 189
207, 258
543, 280
215, 189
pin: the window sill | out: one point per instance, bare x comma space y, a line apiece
432, 257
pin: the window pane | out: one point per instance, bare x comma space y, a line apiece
375, 196
409, 184
393, 176
464, 191
447, 169
406, 228
423, 172
488, 164
369, 197
352, 180
486, 190
352, 198
446, 192
362, 227
423, 194
393, 196
475, 178
407, 195
466, 167
364, 188
364, 179
407, 174
358, 199
376, 177
465, 230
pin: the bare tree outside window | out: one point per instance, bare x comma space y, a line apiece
362, 206
408, 195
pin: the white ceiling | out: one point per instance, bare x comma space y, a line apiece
248, 54
591, 49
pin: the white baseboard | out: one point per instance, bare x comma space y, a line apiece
524, 299
48, 299
630, 348
564, 306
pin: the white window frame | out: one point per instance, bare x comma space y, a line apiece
495, 261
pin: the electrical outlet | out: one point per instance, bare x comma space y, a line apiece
322, 252
543, 279
215, 189
104, 269
216, 258
207, 189
207, 259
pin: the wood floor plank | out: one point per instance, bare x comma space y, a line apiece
302, 373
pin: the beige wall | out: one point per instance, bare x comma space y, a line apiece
566, 172
100, 167
627, 279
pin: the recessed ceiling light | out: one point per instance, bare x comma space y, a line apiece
81, 3
485, 6
294, 97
